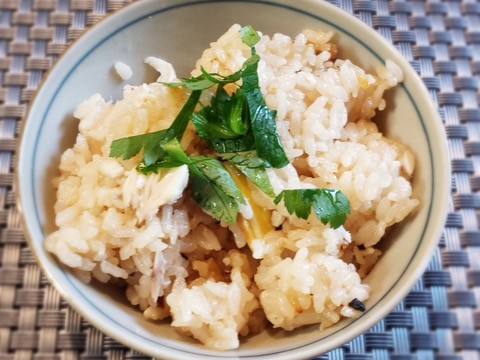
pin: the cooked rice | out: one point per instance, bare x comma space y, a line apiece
144, 232
123, 70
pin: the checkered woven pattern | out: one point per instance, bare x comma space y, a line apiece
438, 319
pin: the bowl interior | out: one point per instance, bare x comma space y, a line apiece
178, 31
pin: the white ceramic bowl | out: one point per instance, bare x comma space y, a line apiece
178, 30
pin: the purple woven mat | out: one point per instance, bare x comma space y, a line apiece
440, 317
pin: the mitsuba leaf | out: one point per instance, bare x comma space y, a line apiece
213, 169
222, 119
211, 198
252, 167
214, 189
128, 147
330, 205
262, 119
181, 120
173, 155
249, 35
151, 143
221, 146
193, 83
236, 115
212, 186
206, 80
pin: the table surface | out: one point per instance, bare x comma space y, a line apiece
439, 318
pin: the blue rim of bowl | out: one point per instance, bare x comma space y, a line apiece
142, 17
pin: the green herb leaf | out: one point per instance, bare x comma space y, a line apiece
206, 80
222, 119
151, 143
236, 114
330, 205
181, 121
221, 146
210, 197
212, 186
193, 83
252, 167
173, 155
128, 147
249, 35
214, 189
262, 119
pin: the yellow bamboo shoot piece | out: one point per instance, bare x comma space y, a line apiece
260, 223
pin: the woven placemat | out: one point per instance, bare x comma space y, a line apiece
440, 317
